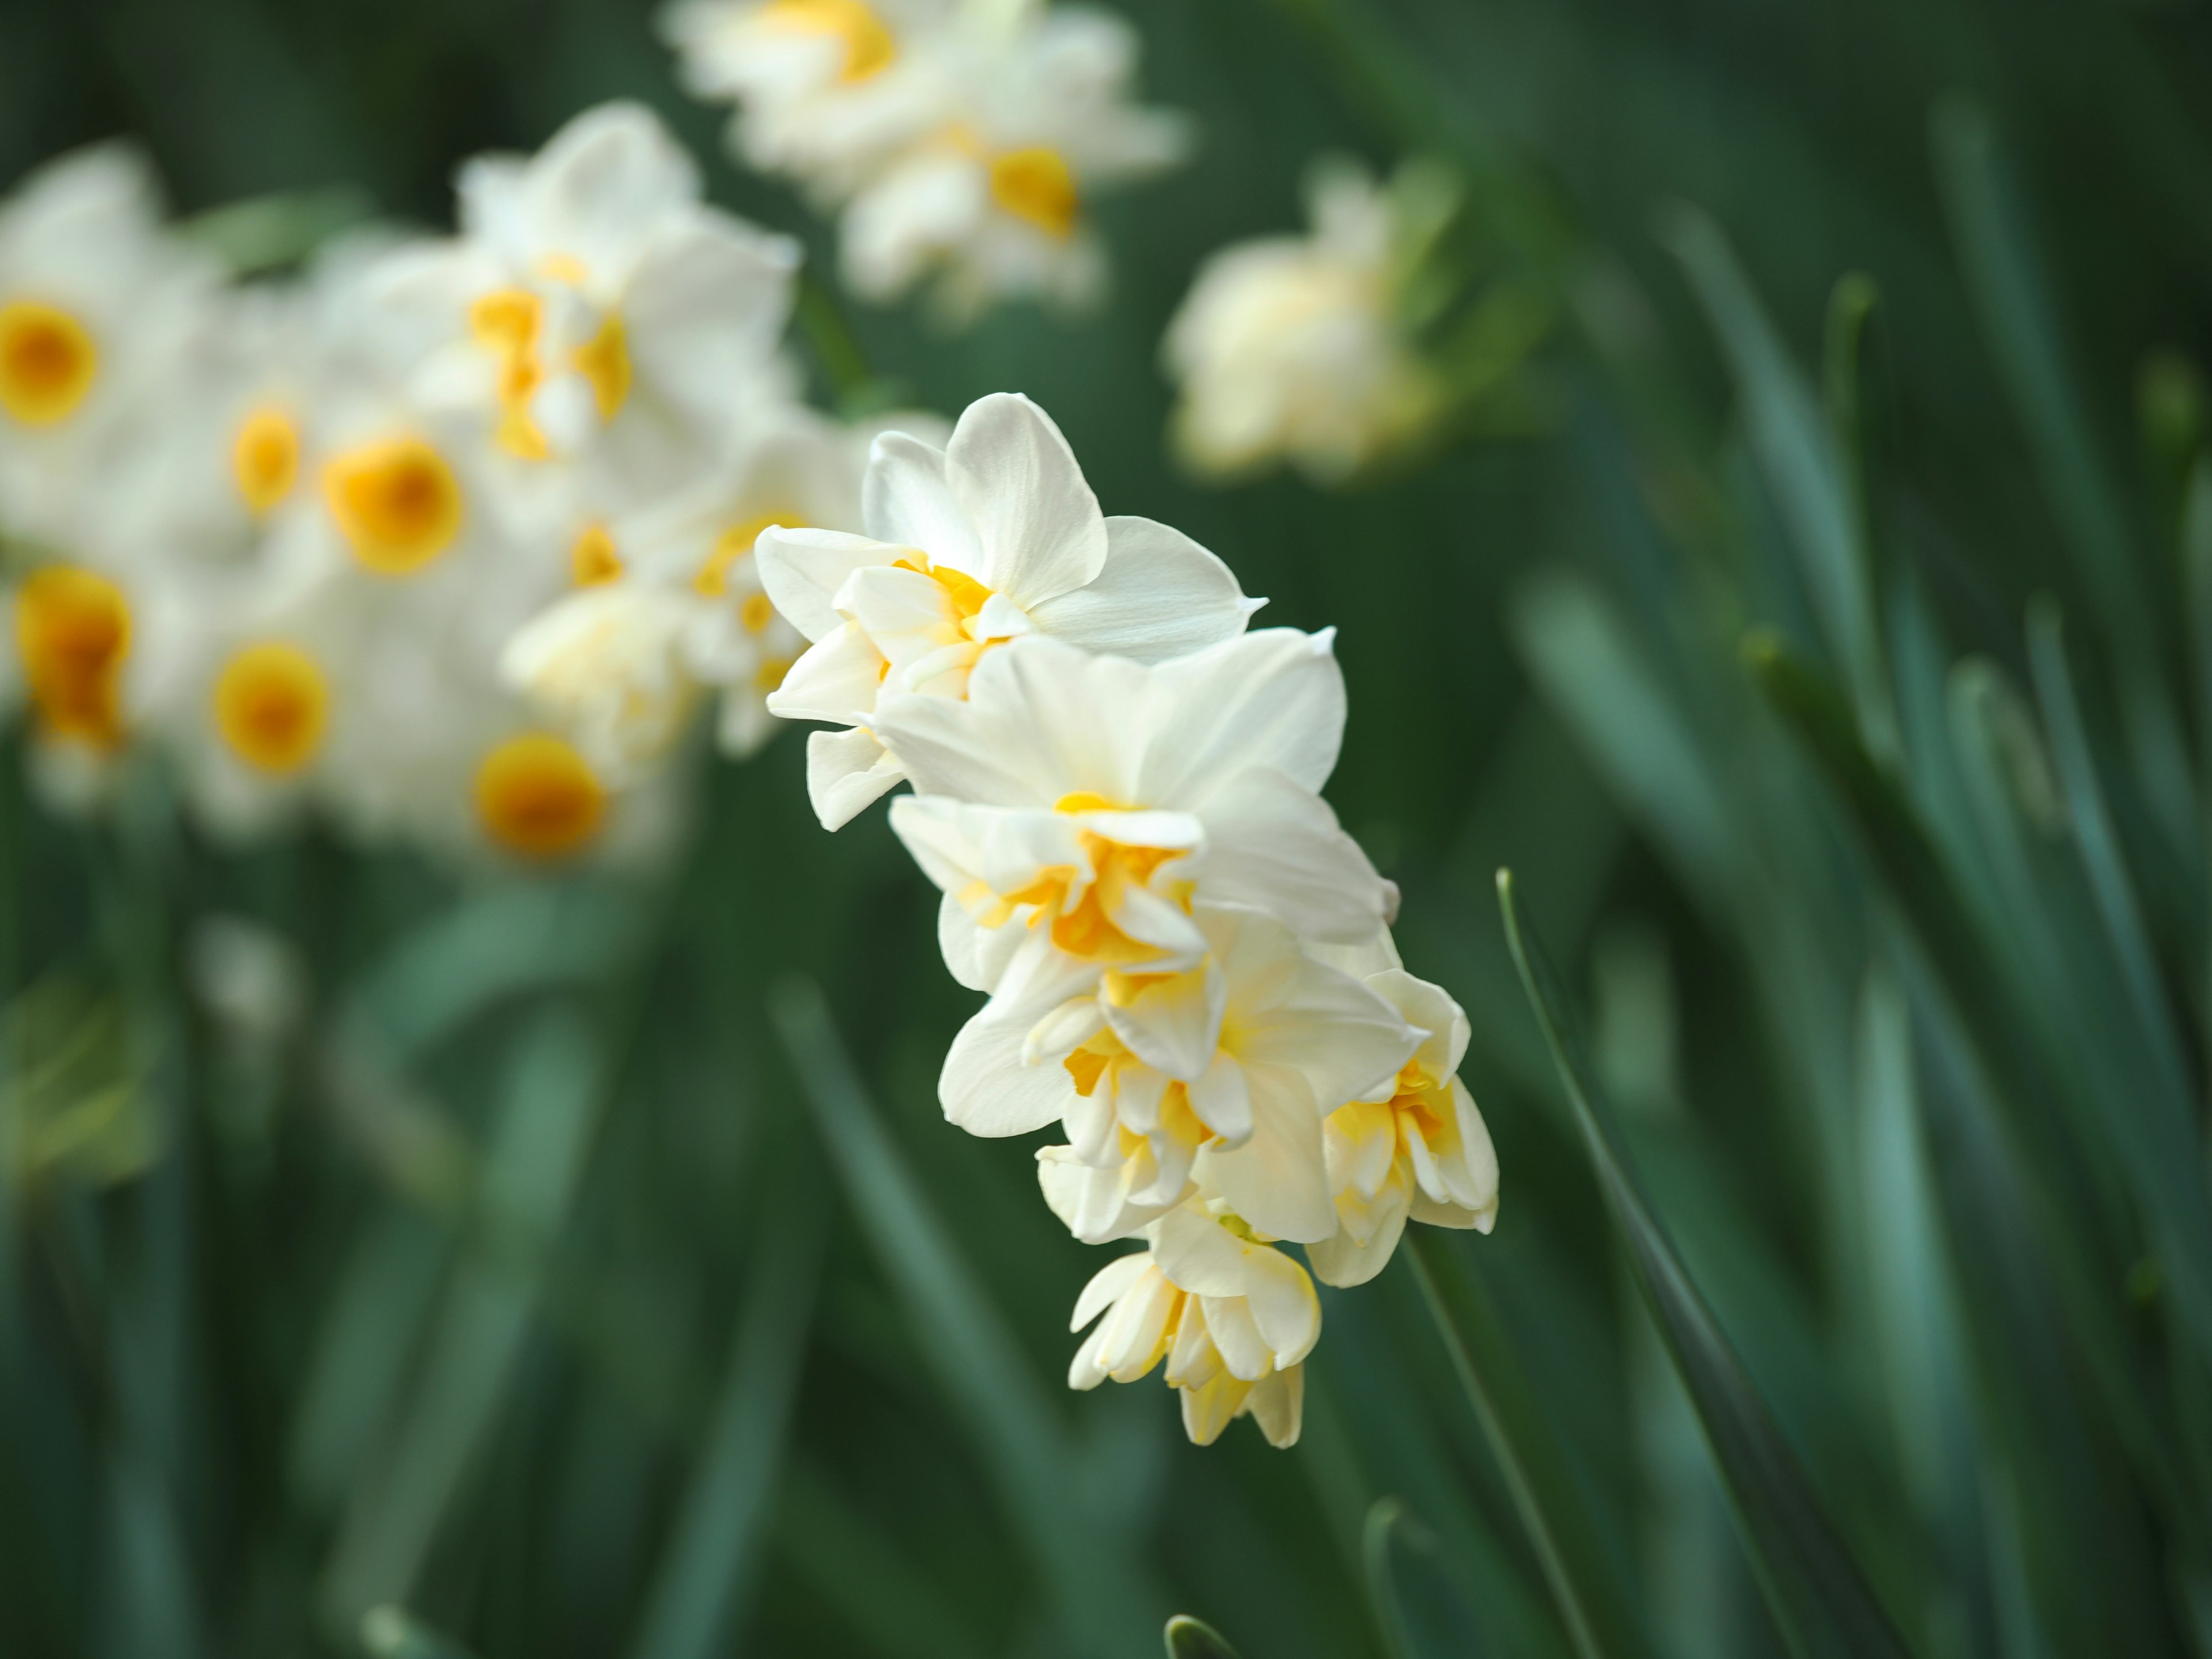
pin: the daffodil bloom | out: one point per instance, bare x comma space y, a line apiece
1233, 1318
994, 537
995, 203
1073, 808
96, 302
606, 664
1151, 1104
1288, 348
594, 310
826, 91
1414, 1149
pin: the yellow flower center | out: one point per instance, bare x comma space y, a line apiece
264, 457
73, 632
272, 704
47, 362
605, 362
769, 675
1036, 185
592, 559
537, 797
870, 48
734, 544
505, 323
396, 501
756, 613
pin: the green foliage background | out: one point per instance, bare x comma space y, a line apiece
571, 1286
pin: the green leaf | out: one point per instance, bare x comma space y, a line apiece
1192, 1638
833, 1544
1588, 1585
390, 1632
714, 1555
1823, 1605
270, 233
1093, 1574
1386, 1518
1801, 462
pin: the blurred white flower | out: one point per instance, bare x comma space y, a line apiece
606, 665
1415, 1149
995, 537
1233, 1318
1289, 349
96, 300
595, 311
995, 204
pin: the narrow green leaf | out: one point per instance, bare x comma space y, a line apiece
713, 1560
390, 1632
1821, 1603
2154, 1129
1386, 1518
833, 1546
1103, 1593
1802, 463
1193, 1638
1588, 1585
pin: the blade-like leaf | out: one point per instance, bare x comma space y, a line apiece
1103, 1593
1821, 1603
1588, 1585
713, 1560
390, 1632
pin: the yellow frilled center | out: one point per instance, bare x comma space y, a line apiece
271, 705
736, 543
73, 631
264, 457
509, 324
396, 501
592, 558
1036, 185
539, 797
870, 47
47, 362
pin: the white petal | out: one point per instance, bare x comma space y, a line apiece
986, 1090
1223, 1102
1431, 1008
802, 570
1085, 1371
1171, 1023
1207, 1411
847, 772
1107, 1286
906, 502
958, 937
1159, 595
1243, 1350
1199, 1254
1018, 485
1277, 1179
1271, 698
834, 679
1275, 845
1283, 1305
1277, 1405
1343, 1261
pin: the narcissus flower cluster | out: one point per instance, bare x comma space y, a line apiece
1187, 962
448, 537
961, 141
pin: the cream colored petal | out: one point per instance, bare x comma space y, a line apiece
1344, 1261
847, 772
1283, 1303
985, 1088
1243, 1350
1171, 1023
802, 570
1107, 1284
1431, 1008
1276, 1178
1207, 1411
1018, 483
1223, 1101
1158, 595
834, 680
1277, 1405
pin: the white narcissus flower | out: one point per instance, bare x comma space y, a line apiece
606, 667
995, 204
1415, 1149
1073, 808
595, 311
1233, 1318
827, 91
1149, 1112
993, 537
1287, 348
96, 300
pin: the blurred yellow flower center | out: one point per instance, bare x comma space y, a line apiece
47, 362
564, 268
605, 362
769, 675
271, 703
756, 613
869, 48
73, 631
592, 559
264, 457
505, 323
396, 501
734, 544
537, 797
1037, 185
